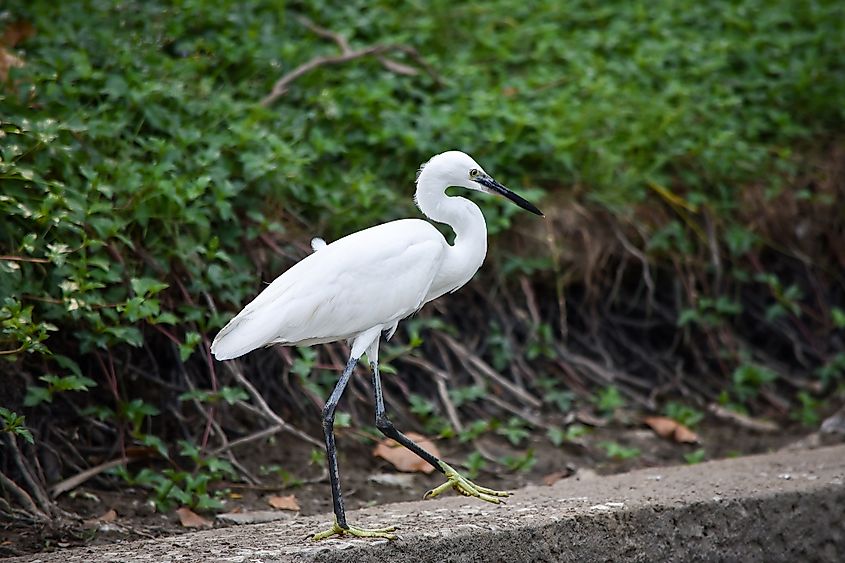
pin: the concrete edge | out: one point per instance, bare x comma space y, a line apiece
786, 506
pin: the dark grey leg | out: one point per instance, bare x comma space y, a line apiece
331, 451
386, 427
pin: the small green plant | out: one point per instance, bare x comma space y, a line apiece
709, 312
75, 381
542, 345
554, 395
474, 430
522, 462
608, 399
515, 430
833, 370
573, 432
684, 414
13, 423
748, 378
19, 332
808, 410
787, 299
175, 487
36, 395
230, 395
617, 451
696, 456
474, 463
342, 419
288, 479
556, 435
433, 423
461, 395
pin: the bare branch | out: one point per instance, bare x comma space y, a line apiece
280, 88
265, 409
23, 497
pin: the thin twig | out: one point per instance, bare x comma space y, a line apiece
265, 409
23, 497
41, 498
267, 432
488, 371
72, 482
347, 54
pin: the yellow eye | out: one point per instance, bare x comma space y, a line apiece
474, 173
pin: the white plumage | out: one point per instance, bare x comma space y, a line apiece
362, 285
374, 277
365, 283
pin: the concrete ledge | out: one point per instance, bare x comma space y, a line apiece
788, 506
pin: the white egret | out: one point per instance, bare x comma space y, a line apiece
362, 285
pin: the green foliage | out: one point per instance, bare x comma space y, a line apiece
230, 395
131, 153
709, 312
542, 345
523, 462
748, 378
36, 395
696, 456
608, 399
287, 478
559, 436
515, 430
617, 451
13, 423
142, 180
174, 487
832, 370
684, 414
18, 332
474, 463
426, 412
554, 395
808, 412
474, 430
838, 317
461, 395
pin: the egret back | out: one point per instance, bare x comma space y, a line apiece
374, 277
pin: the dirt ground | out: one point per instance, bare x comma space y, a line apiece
136, 517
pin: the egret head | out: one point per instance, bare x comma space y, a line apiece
455, 168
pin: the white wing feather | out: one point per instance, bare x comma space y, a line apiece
370, 278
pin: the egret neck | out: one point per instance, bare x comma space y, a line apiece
467, 253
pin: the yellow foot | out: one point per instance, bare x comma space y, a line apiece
336, 530
465, 487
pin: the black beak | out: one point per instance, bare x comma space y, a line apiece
498, 188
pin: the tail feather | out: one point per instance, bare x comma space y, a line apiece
232, 343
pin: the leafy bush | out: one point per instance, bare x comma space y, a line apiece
145, 191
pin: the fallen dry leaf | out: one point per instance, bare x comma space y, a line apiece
190, 519
553, 478
671, 429
8, 61
108, 516
14, 33
287, 502
404, 459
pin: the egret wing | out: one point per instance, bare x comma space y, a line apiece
370, 278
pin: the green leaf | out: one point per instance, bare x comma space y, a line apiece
145, 287
36, 395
